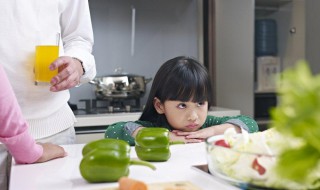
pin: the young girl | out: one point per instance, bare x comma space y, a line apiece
179, 100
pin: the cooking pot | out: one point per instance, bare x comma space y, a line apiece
120, 86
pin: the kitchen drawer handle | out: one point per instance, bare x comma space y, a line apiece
90, 131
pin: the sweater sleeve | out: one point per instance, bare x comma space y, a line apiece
77, 35
124, 130
13, 127
118, 131
244, 122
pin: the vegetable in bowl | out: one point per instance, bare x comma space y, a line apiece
298, 116
251, 159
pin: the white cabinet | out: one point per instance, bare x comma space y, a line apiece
235, 53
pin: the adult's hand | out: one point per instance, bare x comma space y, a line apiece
50, 152
69, 73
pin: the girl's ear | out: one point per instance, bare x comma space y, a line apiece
158, 106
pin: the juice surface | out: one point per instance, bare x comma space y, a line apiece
45, 55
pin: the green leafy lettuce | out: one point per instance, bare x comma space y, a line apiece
298, 116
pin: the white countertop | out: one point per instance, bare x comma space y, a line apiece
64, 174
109, 118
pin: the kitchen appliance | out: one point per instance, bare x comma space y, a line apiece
96, 114
266, 39
267, 69
108, 106
120, 85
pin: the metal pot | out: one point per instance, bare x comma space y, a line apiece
120, 86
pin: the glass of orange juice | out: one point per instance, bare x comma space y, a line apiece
45, 55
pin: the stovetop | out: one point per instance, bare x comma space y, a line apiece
109, 110
104, 106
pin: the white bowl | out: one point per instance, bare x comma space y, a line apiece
250, 160
234, 166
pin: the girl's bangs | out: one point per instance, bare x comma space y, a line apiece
194, 90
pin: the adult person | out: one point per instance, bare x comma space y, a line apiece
26, 24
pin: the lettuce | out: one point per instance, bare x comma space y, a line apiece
298, 116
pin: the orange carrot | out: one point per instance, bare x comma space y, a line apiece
126, 183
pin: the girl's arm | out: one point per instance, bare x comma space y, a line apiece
117, 131
242, 121
123, 130
172, 136
127, 131
202, 134
217, 125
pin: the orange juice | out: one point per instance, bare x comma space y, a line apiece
45, 55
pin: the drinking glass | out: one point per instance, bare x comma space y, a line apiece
45, 55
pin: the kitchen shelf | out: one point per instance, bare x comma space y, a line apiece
272, 3
265, 92
267, 7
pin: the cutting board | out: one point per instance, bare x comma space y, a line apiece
180, 185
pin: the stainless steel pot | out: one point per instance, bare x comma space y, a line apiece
120, 86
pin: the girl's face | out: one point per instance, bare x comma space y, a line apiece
185, 116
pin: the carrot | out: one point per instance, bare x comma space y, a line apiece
126, 183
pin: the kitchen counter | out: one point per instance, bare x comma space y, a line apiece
64, 174
109, 118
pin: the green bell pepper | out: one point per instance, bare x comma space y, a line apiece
107, 144
107, 160
152, 144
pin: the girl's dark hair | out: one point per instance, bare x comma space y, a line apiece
181, 78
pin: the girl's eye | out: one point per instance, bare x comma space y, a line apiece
201, 104
182, 105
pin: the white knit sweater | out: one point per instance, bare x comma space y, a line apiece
25, 24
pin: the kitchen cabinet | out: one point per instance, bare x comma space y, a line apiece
235, 43
93, 126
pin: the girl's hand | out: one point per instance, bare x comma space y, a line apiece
174, 137
207, 132
51, 151
200, 134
